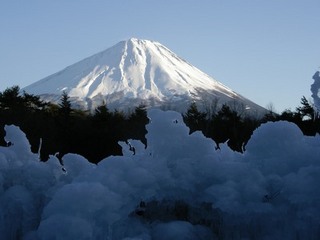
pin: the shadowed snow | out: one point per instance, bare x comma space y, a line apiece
187, 189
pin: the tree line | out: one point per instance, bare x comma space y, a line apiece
95, 135
63, 129
230, 124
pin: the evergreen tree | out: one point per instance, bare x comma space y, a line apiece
118, 116
140, 113
306, 110
136, 127
228, 125
220, 125
102, 114
33, 102
288, 115
65, 105
10, 98
194, 119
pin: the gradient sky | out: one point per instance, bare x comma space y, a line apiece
266, 50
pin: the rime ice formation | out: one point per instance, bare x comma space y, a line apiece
315, 88
132, 72
179, 187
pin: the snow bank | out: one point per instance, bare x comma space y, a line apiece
178, 187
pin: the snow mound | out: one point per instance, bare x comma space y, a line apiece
178, 187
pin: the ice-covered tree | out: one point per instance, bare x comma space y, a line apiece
315, 87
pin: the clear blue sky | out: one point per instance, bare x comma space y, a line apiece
266, 50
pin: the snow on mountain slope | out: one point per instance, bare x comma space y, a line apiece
133, 71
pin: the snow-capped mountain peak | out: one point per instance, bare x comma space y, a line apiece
131, 71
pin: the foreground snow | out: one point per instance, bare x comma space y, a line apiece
178, 187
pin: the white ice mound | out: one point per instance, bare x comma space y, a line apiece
178, 187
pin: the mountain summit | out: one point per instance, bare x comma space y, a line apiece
132, 72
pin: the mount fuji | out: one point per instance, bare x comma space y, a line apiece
133, 72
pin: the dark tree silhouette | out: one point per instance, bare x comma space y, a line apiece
306, 110
10, 98
65, 105
96, 135
137, 124
195, 119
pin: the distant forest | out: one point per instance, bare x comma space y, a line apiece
231, 124
95, 135
63, 129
